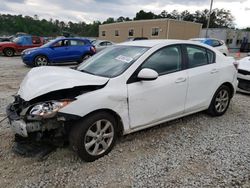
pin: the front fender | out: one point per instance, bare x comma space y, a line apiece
114, 99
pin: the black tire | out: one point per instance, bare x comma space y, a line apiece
9, 52
40, 60
84, 57
219, 104
81, 142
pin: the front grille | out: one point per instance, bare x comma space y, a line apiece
244, 72
244, 84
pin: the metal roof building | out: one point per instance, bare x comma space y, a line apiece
152, 29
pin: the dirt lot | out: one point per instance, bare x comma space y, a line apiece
195, 151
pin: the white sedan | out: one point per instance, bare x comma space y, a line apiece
244, 75
102, 44
123, 89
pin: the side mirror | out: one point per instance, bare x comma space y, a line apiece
147, 74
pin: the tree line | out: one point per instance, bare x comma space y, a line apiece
11, 24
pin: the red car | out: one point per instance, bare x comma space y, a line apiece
19, 44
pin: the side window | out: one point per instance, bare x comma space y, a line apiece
36, 40
103, 44
198, 56
210, 56
73, 43
108, 43
215, 43
58, 44
164, 61
76, 43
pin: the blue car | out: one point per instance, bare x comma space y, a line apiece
61, 50
216, 43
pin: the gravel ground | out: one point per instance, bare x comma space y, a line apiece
195, 151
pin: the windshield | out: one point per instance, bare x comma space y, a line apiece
94, 42
17, 40
112, 61
48, 44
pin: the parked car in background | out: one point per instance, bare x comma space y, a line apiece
123, 89
245, 47
137, 38
244, 75
216, 43
101, 44
5, 39
18, 44
62, 50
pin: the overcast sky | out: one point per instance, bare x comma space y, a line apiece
90, 10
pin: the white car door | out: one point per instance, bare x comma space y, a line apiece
202, 76
163, 98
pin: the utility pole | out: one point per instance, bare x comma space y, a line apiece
209, 16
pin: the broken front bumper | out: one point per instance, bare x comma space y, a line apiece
18, 125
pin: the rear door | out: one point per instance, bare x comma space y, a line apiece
203, 77
76, 49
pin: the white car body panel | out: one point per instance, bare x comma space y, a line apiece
137, 106
42, 80
223, 49
244, 64
167, 92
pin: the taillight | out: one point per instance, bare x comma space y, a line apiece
236, 64
92, 48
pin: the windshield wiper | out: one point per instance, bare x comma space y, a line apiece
87, 72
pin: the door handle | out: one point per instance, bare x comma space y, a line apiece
179, 80
214, 71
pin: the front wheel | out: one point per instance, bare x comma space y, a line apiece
220, 101
41, 60
94, 136
9, 52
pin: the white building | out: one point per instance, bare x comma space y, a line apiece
233, 38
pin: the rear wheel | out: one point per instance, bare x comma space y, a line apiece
220, 101
9, 52
41, 60
84, 57
94, 136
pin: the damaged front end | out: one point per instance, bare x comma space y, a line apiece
26, 118
39, 121
37, 127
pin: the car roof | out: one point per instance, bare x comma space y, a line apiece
205, 39
71, 38
151, 43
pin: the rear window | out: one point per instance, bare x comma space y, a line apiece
77, 43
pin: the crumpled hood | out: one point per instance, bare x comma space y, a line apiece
244, 64
43, 80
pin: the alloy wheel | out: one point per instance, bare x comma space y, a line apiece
222, 100
99, 137
41, 61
